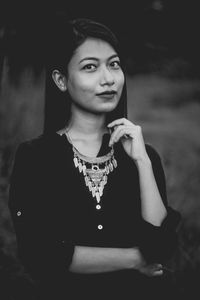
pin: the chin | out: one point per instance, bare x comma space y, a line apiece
107, 107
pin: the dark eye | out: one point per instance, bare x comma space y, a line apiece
89, 67
115, 64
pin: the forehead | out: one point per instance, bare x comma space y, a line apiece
93, 47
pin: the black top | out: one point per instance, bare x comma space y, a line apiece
53, 210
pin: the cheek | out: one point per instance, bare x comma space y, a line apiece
120, 81
88, 83
82, 84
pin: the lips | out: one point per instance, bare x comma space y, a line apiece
107, 93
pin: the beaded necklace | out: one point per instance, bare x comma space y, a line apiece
95, 170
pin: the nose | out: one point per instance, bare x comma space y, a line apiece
107, 77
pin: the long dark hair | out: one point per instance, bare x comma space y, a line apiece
64, 40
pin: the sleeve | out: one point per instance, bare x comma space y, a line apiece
41, 248
158, 243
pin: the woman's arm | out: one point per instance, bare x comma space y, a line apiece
99, 259
158, 241
158, 237
153, 196
152, 207
89, 260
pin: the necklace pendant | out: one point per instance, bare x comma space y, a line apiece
84, 169
105, 179
101, 185
95, 168
75, 161
114, 162
101, 190
110, 167
93, 191
80, 167
107, 170
97, 197
89, 185
86, 180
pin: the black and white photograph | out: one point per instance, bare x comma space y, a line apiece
99, 150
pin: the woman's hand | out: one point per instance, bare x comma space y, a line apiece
150, 270
131, 138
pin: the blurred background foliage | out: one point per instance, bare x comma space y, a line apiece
161, 50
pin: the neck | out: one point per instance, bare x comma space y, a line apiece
86, 123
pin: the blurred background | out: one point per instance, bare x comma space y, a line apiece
160, 41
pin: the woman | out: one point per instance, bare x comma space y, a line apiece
88, 197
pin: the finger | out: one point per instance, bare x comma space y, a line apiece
157, 270
116, 129
154, 268
121, 131
120, 122
154, 273
158, 273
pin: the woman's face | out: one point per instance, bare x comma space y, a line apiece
95, 79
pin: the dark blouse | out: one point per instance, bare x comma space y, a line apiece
53, 210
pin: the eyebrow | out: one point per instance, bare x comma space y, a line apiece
96, 59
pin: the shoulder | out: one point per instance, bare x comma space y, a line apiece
40, 141
43, 142
41, 149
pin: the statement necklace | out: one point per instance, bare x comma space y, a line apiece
95, 170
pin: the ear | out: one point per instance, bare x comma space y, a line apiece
60, 80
